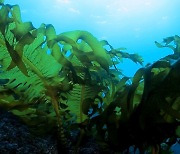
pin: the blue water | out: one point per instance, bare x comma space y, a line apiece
133, 24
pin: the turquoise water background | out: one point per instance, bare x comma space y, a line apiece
133, 24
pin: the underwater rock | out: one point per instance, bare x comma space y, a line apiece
16, 138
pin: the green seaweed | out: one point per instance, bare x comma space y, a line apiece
53, 81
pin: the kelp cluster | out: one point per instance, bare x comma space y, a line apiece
71, 81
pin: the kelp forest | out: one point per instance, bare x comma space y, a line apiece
58, 83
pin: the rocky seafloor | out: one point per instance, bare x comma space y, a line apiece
16, 138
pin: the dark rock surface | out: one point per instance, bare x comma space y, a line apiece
16, 138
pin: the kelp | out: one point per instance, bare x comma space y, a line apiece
172, 43
56, 81
149, 104
37, 78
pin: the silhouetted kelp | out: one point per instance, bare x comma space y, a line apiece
70, 81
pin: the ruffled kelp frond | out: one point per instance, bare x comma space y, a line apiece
98, 52
118, 54
173, 43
